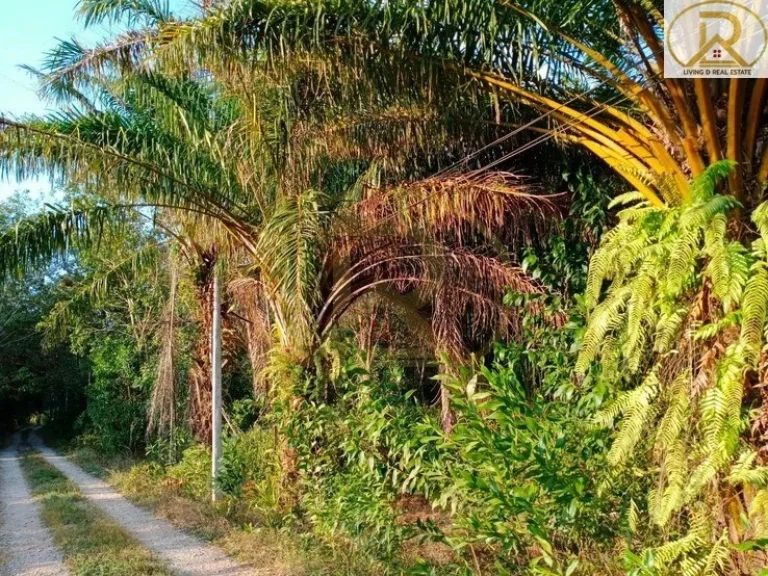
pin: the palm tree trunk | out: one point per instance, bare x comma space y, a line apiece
446, 414
199, 400
447, 418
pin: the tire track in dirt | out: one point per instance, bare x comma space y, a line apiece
27, 544
184, 554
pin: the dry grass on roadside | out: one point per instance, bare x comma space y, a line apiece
275, 552
241, 534
90, 541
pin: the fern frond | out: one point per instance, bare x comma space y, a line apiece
758, 513
754, 307
638, 311
669, 496
728, 267
671, 551
712, 329
631, 429
703, 187
701, 214
602, 262
682, 262
668, 328
677, 413
632, 197
720, 419
760, 218
745, 472
606, 315
627, 400
718, 557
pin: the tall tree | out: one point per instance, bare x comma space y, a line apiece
315, 209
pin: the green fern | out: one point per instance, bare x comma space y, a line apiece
678, 305
758, 514
728, 263
760, 218
754, 308
745, 471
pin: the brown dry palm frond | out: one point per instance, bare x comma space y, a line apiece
459, 292
467, 297
497, 207
198, 412
249, 302
162, 407
199, 375
430, 242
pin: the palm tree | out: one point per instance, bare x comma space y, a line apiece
315, 210
592, 72
587, 73
116, 146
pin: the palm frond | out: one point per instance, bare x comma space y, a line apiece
55, 233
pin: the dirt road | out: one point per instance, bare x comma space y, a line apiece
28, 547
184, 554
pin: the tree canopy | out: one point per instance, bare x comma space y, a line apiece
480, 258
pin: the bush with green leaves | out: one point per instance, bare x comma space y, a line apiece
192, 473
118, 395
363, 445
527, 486
250, 470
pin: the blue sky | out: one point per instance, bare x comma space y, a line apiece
28, 28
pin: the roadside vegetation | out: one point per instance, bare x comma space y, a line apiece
276, 548
91, 542
495, 291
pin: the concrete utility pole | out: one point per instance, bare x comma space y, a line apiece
216, 387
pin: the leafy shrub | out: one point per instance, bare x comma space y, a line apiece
250, 469
248, 477
193, 472
527, 472
360, 454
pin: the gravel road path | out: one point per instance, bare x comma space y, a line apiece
184, 554
28, 547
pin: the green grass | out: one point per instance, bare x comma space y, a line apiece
92, 544
97, 464
278, 551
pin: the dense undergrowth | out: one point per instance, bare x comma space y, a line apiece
379, 488
350, 470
